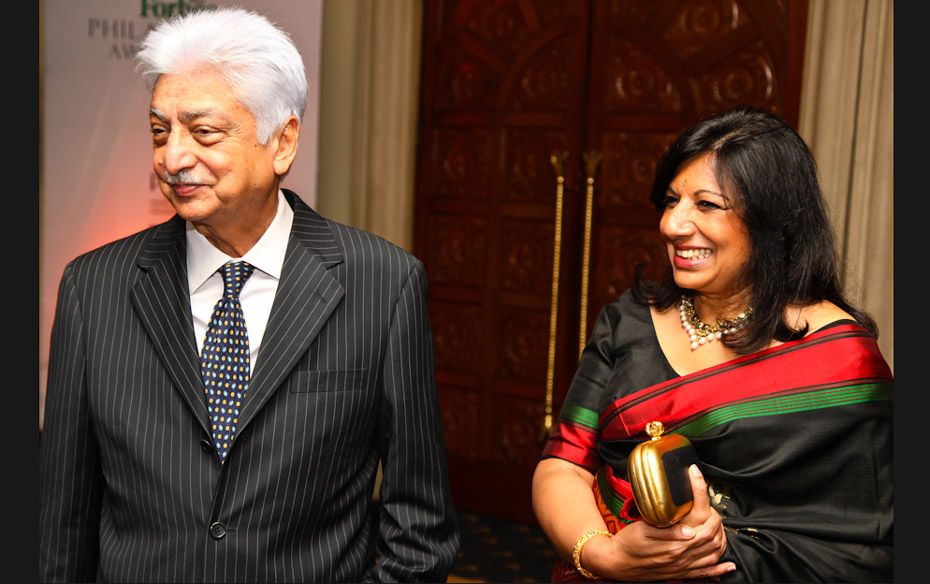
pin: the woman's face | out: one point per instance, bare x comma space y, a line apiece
707, 240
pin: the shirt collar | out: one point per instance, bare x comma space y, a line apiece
267, 255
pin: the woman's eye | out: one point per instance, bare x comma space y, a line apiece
669, 201
709, 205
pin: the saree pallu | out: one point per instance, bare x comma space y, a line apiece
795, 443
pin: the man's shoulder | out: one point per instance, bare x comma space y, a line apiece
353, 244
359, 242
367, 254
125, 250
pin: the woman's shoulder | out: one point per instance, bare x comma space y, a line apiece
625, 319
816, 315
627, 305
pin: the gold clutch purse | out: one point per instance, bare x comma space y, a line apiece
658, 470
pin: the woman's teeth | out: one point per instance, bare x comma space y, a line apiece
693, 254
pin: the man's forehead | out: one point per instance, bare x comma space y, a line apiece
196, 90
188, 115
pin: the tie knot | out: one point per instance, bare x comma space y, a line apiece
234, 276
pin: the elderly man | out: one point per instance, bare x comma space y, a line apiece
223, 386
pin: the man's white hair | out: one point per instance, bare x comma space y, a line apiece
258, 60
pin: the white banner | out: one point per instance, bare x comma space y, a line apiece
96, 180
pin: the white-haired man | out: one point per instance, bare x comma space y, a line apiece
223, 386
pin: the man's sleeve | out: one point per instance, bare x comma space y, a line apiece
418, 533
70, 483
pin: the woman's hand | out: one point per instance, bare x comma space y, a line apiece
689, 549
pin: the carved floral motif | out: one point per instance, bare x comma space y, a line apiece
528, 174
500, 26
544, 83
458, 250
460, 163
701, 23
457, 331
467, 82
629, 167
744, 77
639, 81
517, 430
459, 408
621, 249
524, 346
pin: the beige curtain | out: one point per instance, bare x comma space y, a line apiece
847, 118
389, 60
371, 67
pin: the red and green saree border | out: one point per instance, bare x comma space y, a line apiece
837, 366
840, 365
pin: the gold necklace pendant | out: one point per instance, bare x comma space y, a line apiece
701, 333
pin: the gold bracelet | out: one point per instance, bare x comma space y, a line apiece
579, 545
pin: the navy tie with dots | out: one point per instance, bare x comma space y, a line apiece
225, 360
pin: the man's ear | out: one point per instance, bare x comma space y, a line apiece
285, 149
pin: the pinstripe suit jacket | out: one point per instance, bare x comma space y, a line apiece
130, 487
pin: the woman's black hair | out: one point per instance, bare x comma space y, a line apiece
764, 163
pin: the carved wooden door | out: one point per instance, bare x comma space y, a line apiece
507, 83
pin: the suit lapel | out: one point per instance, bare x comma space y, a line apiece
307, 295
162, 301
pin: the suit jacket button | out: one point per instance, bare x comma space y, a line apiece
217, 530
206, 446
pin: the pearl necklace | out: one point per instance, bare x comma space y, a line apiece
699, 332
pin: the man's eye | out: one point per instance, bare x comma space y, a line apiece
206, 134
159, 134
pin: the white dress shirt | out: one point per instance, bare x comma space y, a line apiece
206, 284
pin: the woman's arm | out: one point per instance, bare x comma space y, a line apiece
565, 506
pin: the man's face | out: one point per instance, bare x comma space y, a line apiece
209, 163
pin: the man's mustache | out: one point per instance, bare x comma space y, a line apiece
182, 177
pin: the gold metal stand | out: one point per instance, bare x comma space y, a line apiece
591, 161
558, 163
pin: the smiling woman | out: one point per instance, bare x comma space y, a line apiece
707, 240
748, 348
